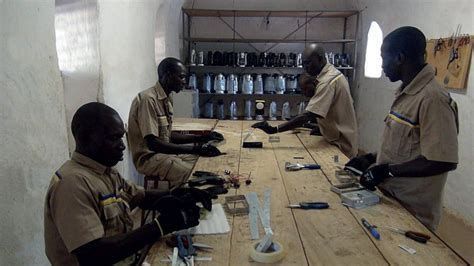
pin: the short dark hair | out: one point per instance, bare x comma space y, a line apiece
407, 40
169, 64
90, 118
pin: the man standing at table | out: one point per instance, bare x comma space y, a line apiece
87, 208
419, 145
331, 104
156, 150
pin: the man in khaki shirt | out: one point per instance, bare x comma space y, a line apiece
156, 150
419, 144
87, 207
331, 103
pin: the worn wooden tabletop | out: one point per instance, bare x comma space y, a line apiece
333, 236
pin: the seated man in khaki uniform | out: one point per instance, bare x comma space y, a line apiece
156, 150
331, 104
87, 208
419, 145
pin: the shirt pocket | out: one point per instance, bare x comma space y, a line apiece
402, 136
164, 128
112, 219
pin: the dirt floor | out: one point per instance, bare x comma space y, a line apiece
458, 234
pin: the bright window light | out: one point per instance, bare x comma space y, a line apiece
373, 60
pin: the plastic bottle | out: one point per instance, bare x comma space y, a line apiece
248, 110
233, 110
286, 111
220, 110
272, 113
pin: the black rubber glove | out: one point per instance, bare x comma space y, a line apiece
216, 190
207, 150
193, 195
176, 214
212, 136
315, 131
265, 127
374, 176
362, 163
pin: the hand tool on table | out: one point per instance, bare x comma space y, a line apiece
371, 228
417, 236
299, 166
309, 205
349, 169
251, 144
186, 250
206, 180
204, 173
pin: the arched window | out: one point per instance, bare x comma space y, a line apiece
373, 60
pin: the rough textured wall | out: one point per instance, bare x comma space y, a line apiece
373, 97
77, 43
33, 139
127, 30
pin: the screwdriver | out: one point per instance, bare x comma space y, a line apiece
310, 205
371, 228
418, 237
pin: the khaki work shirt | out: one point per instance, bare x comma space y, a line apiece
151, 113
421, 121
332, 101
85, 201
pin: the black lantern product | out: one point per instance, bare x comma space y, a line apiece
282, 60
208, 59
252, 59
217, 59
262, 60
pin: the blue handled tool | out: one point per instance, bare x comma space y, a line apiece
310, 205
298, 166
185, 246
371, 228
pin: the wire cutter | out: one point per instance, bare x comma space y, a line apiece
418, 237
309, 205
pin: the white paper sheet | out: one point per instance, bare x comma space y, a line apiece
215, 223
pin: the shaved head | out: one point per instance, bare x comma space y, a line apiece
314, 50
314, 59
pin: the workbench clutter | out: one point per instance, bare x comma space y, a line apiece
353, 194
267, 249
451, 58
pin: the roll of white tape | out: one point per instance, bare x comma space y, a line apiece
274, 253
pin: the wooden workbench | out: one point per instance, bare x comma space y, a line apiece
311, 237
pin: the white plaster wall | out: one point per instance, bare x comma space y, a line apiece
373, 97
77, 44
168, 32
126, 30
33, 141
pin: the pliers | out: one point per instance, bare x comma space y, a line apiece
309, 205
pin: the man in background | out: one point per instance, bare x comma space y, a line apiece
156, 150
331, 104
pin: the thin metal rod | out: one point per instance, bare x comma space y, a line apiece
357, 38
238, 34
306, 29
291, 33
344, 35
